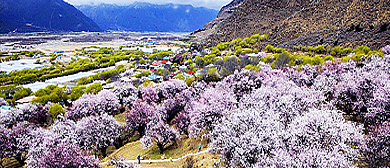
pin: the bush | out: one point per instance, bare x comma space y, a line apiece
77, 92
346, 51
310, 48
211, 76
180, 76
94, 88
301, 48
190, 80
24, 92
216, 52
362, 50
336, 51
319, 49
248, 51
282, 60
84, 81
269, 48
147, 83
328, 58
238, 50
345, 59
55, 110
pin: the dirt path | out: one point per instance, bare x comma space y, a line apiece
163, 160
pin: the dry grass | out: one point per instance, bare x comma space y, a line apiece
121, 118
203, 160
10, 162
187, 145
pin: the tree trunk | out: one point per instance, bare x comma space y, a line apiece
161, 147
20, 159
1, 163
104, 151
118, 144
141, 132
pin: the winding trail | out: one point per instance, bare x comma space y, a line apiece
162, 160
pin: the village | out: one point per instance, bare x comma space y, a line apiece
146, 62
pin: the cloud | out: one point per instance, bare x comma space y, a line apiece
212, 4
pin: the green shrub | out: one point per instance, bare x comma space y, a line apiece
77, 92
319, 49
269, 48
147, 83
190, 80
180, 76
252, 67
362, 50
24, 92
84, 81
300, 47
282, 60
346, 59
94, 88
316, 60
376, 52
248, 51
306, 60
336, 51
346, 51
216, 52
279, 50
238, 50
310, 48
267, 59
243, 44
56, 110
328, 58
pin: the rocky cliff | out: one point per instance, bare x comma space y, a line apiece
306, 22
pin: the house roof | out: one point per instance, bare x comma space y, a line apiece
154, 77
160, 62
6, 107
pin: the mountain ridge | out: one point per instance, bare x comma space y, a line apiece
141, 16
42, 15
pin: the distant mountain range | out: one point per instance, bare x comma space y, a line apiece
42, 15
143, 17
308, 22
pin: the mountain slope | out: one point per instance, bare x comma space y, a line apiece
149, 17
42, 15
294, 22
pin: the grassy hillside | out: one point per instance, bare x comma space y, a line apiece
347, 23
187, 145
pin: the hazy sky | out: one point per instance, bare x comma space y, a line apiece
213, 4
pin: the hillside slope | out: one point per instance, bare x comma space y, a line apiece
42, 15
149, 17
294, 22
